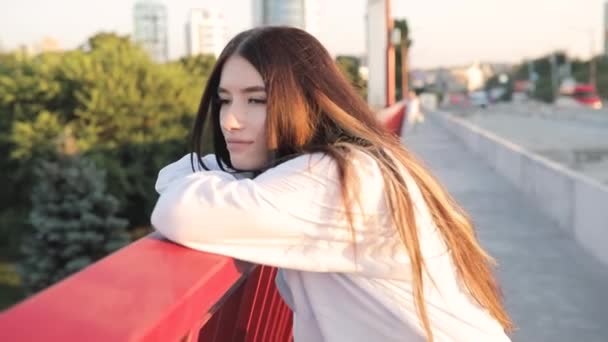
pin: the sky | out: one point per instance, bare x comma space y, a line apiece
445, 32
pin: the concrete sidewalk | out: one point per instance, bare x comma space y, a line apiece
554, 290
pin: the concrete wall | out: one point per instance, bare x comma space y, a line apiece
577, 203
376, 44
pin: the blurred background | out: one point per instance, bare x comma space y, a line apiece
95, 97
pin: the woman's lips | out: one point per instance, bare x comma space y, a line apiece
237, 145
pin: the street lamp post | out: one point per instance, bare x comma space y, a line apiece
390, 56
592, 65
592, 62
404, 66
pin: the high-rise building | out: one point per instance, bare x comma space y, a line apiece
606, 29
150, 21
205, 32
377, 45
304, 14
47, 44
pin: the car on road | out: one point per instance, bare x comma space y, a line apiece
579, 95
479, 99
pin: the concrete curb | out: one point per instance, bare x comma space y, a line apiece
576, 202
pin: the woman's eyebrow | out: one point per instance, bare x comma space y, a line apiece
252, 89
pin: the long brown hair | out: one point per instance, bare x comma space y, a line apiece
312, 108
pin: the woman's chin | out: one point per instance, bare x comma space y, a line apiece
244, 165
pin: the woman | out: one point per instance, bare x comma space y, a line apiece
414, 115
369, 246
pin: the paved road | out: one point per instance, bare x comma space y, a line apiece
555, 290
578, 140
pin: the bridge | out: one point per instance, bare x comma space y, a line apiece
546, 226
552, 268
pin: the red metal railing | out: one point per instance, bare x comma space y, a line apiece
154, 290
393, 117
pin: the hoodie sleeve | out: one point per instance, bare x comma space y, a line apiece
290, 216
183, 168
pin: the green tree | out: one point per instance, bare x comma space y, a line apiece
200, 66
129, 114
37, 138
349, 65
581, 69
27, 88
402, 58
105, 100
547, 83
74, 221
133, 115
602, 76
110, 103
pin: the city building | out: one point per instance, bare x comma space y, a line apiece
377, 55
205, 32
150, 28
46, 44
606, 29
304, 14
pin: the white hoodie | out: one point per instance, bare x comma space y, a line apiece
292, 217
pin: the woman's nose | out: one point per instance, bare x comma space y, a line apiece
231, 119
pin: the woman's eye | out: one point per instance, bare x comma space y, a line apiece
257, 101
223, 101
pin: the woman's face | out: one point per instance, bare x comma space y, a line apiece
242, 97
